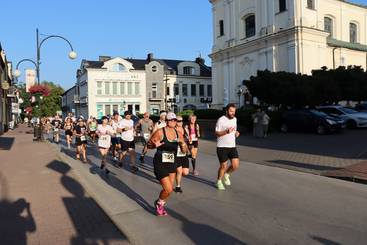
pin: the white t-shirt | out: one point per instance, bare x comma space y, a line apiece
228, 140
104, 139
104, 130
129, 125
115, 125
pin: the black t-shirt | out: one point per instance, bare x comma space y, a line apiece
56, 123
80, 129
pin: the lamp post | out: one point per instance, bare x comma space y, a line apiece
37, 63
166, 89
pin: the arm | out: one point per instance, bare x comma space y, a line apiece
155, 140
198, 130
181, 142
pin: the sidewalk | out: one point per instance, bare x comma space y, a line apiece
41, 200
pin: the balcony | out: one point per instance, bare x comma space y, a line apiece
76, 99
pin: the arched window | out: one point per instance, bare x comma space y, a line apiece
250, 27
328, 25
311, 4
118, 67
353, 32
189, 70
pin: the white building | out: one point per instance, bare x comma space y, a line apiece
282, 35
108, 85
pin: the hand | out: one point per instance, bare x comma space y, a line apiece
230, 130
237, 134
158, 144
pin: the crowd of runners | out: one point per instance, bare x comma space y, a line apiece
175, 143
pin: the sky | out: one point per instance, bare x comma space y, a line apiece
170, 29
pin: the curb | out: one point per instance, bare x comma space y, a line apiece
92, 194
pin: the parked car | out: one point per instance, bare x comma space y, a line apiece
306, 120
361, 107
353, 118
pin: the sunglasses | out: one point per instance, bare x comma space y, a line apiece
179, 120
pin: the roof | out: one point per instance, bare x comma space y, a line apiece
352, 3
139, 64
73, 87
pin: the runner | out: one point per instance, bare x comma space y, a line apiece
80, 131
146, 127
193, 132
166, 140
92, 126
226, 132
68, 127
104, 132
162, 121
56, 123
116, 138
182, 160
126, 128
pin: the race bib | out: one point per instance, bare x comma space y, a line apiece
168, 157
56, 130
104, 141
118, 135
146, 137
180, 153
194, 139
83, 138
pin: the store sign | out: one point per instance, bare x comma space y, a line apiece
14, 108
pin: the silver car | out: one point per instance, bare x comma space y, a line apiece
354, 119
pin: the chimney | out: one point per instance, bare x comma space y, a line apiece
200, 61
104, 58
150, 57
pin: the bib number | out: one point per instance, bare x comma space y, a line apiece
180, 153
104, 141
168, 157
146, 136
56, 130
83, 138
118, 135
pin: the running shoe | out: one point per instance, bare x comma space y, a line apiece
195, 172
220, 186
102, 166
178, 189
159, 209
115, 159
141, 159
134, 169
226, 179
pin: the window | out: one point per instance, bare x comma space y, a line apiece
107, 87
328, 25
250, 28
122, 88
115, 108
177, 89
201, 90
99, 88
353, 33
184, 89
221, 28
114, 88
107, 110
282, 5
193, 89
154, 69
167, 90
129, 88
154, 90
118, 67
209, 92
311, 4
137, 89
137, 108
188, 70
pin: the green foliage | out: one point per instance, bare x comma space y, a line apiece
323, 87
185, 114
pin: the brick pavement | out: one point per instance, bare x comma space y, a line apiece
41, 200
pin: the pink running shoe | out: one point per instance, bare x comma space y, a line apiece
159, 209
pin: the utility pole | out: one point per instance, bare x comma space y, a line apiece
165, 91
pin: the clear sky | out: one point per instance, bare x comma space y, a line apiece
171, 29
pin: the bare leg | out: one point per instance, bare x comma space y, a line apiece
222, 170
235, 163
178, 176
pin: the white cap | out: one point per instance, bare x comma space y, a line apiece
163, 114
171, 115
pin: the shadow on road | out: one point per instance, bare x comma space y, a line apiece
324, 241
91, 224
6, 143
302, 165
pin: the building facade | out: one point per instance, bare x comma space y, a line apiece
139, 85
5, 87
68, 101
282, 35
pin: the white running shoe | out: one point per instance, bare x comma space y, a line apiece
226, 179
220, 186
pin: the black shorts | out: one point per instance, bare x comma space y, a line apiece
126, 145
182, 162
162, 170
68, 132
194, 144
80, 142
224, 153
115, 140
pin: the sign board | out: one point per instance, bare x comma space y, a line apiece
14, 108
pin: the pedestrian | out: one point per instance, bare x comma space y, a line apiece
265, 120
104, 132
80, 132
166, 140
182, 160
126, 128
92, 127
116, 137
56, 125
161, 122
193, 132
68, 127
257, 126
226, 132
146, 127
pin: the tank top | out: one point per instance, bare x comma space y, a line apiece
168, 151
68, 126
146, 126
193, 132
